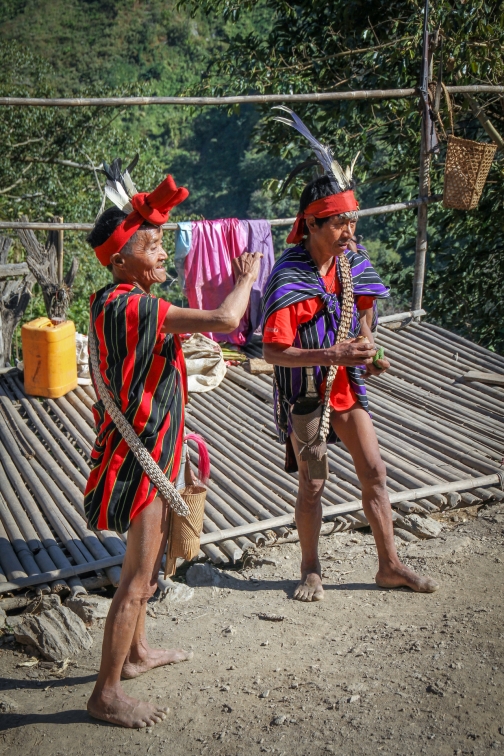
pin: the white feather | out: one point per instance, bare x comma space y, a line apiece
128, 184
119, 198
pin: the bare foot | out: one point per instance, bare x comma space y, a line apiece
398, 576
149, 658
116, 707
310, 588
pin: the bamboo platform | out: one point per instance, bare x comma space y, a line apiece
436, 433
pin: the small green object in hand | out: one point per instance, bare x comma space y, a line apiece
380, 354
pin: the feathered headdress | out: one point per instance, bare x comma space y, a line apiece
342, 178
119, 187
142, 207
342, 200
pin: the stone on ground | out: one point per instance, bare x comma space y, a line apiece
55, 631
204, 575
89, 608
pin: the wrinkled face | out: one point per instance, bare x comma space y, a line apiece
142, 260
333, 236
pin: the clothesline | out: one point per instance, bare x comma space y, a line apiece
366, 212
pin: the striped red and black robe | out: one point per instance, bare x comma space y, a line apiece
144, 370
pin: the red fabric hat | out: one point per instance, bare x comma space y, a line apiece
344, 202
152, 208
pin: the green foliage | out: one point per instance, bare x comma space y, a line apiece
233, 160
54, 48
361, 44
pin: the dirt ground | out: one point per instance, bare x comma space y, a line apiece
366, 671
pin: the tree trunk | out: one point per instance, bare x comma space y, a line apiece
43, 263
14, 298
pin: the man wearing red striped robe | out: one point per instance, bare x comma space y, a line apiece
142, 365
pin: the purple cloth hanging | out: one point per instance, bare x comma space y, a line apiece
259, 239
208, 271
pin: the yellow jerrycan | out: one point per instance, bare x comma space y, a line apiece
49, 357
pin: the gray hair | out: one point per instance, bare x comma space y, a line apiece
352, 215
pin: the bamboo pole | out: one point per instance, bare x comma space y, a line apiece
59, 250
445, 374
76, 418
78, 569
60, 526
429, 426
356, 505
23, 552
363, 94
50, 465
364, 213
400, 316
424, 177
469, 345
72, 472
48, 422
66, 422
451, 346
448, 410
37, 535
81, 408
12, 567
417, 335
48, 495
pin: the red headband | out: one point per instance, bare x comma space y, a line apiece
152, 208
344, 202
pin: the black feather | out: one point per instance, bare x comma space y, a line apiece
296, 171
133, 163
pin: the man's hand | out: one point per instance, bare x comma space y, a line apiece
377, 368
351, 353
247, 265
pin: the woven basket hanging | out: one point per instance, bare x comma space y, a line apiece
466, 169
184, 532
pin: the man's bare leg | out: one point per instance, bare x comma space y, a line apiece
146, 542
308, 522
357, 432
141, 657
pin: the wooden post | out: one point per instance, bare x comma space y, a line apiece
424, 178
59, 250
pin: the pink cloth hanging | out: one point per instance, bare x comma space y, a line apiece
208, 273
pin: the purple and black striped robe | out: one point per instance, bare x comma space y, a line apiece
295, 277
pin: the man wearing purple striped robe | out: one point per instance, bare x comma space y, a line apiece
301, 315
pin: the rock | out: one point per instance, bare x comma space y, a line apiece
229, 630
279, 720
7, 704
176, 594
424, 527
405, 535
353, 699
14, 621
43, 604
204, 575
271, 617
435, 689
57, 633
264, 694
453, 499
441, 549
89, 608
3, 618
179, 592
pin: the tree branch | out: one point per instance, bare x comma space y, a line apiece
490, 129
